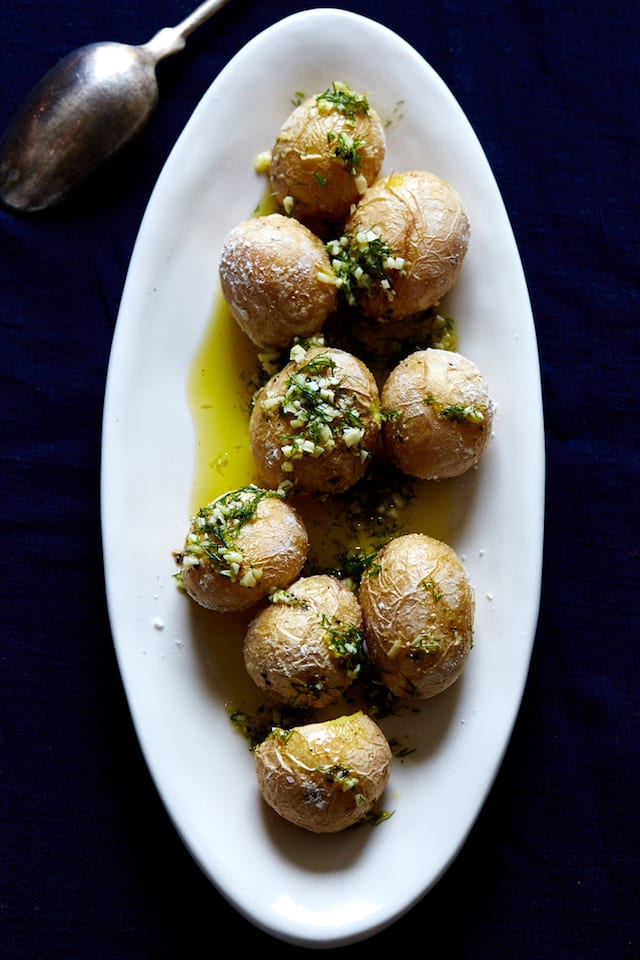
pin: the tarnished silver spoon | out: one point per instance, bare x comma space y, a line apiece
84, 110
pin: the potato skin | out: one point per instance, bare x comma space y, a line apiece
418, 608
441, 414
326, 776
294, 650
272, 544
270, 270
304, 165
423, 220
273, 429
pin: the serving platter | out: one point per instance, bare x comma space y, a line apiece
177, 664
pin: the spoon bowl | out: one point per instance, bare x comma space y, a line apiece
84, 110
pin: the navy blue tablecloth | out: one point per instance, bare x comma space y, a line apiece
90, 864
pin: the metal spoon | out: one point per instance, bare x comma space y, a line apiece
85, 109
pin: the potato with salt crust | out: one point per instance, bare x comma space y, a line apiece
277, 281
316, 422
418, 608
326, 154
305, 649
438, 414
324, 776
240, 547
403, 246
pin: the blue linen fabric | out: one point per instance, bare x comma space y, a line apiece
90, 865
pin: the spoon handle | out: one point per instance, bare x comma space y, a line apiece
199, 16
172, 39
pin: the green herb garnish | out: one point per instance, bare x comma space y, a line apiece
342, 98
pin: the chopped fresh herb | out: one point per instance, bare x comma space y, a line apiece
363, 264
470, 413
342, 98
345, 642
383, 345
354, 564
431, 587
347, 780
427, 643
213, 534
321, 411
269, 719
347, 149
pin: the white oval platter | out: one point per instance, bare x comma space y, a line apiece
317, 891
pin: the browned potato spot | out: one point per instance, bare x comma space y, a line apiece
418, 608
240, 547
324, 776
276, 278
316, 422
421, 221
438, 412
326, 153
305, 648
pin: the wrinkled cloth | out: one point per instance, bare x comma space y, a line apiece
90, 864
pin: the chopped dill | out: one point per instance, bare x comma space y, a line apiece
213, 534
345, 642
363, 264
339, 96
347, 149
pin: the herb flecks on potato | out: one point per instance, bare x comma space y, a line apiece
438, 414
241, 546
405, 243
316, 422
305, 648
326, 154
325, 776
418, 608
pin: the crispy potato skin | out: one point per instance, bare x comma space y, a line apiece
418, 608
304, 165
269, 275
332, 471
274, 540
430, 436
288, 648
422, 219
298, 772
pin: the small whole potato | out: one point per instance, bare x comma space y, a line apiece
316, 422
305, 648
326, 154
403, 245
438, 414
418, 609
240, 547
276, 278
324, 776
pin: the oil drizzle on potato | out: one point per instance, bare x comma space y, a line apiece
223, 377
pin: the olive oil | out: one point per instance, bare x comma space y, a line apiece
222, 380
224, 376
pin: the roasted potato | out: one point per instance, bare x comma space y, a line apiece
324, 776
305, 648
438, 414
402, 247
316, 422
418, 608
326, 154
240, 547
276, 278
